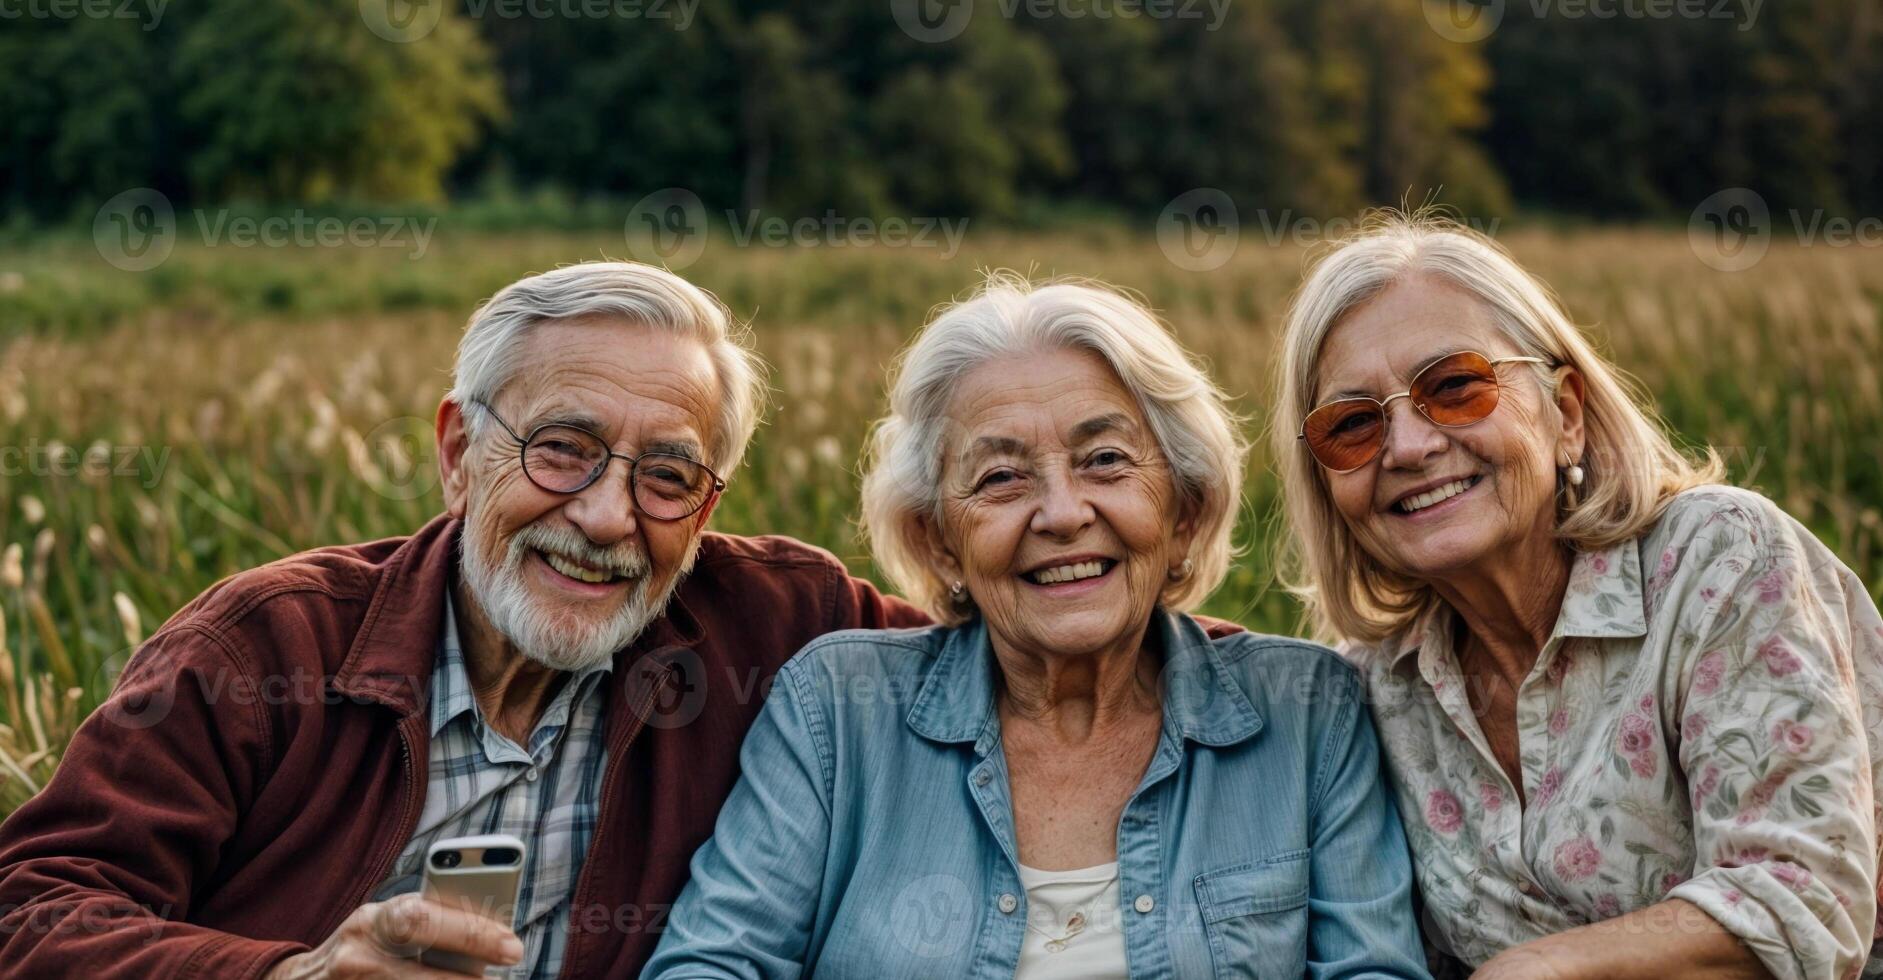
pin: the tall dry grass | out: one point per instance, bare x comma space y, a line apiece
237, 405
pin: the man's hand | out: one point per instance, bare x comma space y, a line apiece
384, 939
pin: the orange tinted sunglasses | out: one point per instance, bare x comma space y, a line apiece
1457, 389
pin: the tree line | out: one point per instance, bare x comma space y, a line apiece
1315, 106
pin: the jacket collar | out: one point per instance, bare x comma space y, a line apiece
1202, 702
396, 648
1605, 598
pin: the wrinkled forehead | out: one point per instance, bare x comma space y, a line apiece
621, 380
1044, 402
1379, 346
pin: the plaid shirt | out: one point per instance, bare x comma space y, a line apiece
481, 782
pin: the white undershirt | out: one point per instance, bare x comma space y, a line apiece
1096, 952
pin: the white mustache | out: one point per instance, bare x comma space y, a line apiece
625, 559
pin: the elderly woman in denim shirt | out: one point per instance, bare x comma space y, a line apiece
1071, 778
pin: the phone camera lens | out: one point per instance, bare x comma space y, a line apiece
447, 859
501, 855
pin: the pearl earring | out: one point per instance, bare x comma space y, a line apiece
1575, 476
958, 592
1182, 571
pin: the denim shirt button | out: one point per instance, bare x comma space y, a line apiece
1144, 904
981, 778
1008, 903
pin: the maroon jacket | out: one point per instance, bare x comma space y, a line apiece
262, 761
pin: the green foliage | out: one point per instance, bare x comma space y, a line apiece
1614, 118
1315, 107
297, 100
290, 100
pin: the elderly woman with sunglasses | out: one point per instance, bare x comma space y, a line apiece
1073, 778
1622, 706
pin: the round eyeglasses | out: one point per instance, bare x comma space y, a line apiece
567, 459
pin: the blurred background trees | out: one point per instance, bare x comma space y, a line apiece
1320, 106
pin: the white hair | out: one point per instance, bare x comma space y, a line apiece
639, 294
1187, 413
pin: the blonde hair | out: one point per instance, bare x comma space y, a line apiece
1009, 316
1631, 466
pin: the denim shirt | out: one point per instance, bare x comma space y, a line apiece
872, 833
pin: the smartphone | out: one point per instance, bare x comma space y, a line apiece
480, 874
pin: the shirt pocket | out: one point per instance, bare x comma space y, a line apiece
1256, 917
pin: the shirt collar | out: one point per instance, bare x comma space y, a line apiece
451, 682
1202, 702
1604, 598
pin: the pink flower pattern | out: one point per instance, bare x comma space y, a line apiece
1792, 736
1443, 812
1707, 673
1700, 672
1778, 657
1548, 786
1576, 858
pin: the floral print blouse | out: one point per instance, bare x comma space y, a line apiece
1704, 724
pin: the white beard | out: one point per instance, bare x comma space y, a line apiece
565, 642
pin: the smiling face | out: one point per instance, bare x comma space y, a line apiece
571, 578
1438, 500
1058, 509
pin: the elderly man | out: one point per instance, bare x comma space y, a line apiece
566, 655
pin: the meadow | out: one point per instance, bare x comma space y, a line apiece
160, 430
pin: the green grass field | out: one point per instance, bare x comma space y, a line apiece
163, 429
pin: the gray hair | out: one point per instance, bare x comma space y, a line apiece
640, 294
1188, 415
